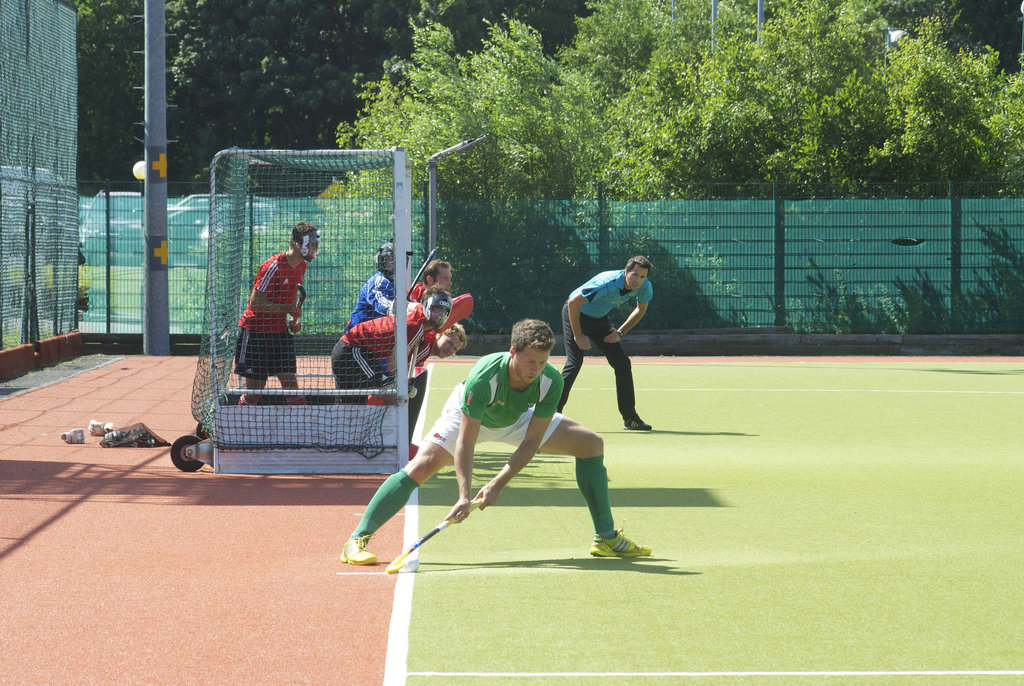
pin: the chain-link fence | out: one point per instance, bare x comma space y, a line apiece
38, 185
949, 261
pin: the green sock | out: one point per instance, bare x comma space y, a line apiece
391, 497
592, 478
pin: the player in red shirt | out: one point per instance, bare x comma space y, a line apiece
265, 347
365, 356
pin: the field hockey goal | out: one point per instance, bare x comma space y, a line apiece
358, 200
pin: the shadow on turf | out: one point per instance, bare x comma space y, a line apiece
1008, 372
640, 565
662, 432
542, 488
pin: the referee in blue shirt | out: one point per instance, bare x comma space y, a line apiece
585, 321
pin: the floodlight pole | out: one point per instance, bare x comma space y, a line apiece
156, 339
432, 185
760, 19
714, 20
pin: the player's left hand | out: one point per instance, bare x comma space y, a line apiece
295, 325
613, 337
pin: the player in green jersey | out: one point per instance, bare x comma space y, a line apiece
508, 397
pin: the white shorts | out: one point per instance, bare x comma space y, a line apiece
446, 429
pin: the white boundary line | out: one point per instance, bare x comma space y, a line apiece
396, 663
808, 390
620, 675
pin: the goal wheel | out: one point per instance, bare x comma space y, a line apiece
185, 464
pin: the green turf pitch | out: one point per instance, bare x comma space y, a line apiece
805, 517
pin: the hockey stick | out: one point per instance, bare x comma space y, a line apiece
420, 272
299, 299
399, 562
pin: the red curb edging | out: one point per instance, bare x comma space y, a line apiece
24, 358
17, 360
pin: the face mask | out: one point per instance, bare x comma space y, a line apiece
307, 240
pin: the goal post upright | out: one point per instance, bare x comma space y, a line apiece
403, 248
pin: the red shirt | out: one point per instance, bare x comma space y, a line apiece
279, 281
377, 336
416, 295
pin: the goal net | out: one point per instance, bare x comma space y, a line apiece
264, 391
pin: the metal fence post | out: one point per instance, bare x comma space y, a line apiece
780, 256
603, 229
955, 259
106, 224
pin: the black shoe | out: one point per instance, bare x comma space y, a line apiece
635, 424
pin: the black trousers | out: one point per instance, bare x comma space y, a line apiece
596, 330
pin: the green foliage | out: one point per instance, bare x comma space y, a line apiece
838, 307
269, 73
109, 38
939, 107
508, 90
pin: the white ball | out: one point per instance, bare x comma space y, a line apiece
139, 170
411, 566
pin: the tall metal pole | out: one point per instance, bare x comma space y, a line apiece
156, 339
760, 19
432, 183
714, 20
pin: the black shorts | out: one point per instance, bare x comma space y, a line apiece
259, 355
354, 370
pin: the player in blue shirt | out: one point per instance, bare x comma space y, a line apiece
377, 295
585, 321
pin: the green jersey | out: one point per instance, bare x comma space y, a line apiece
487, 395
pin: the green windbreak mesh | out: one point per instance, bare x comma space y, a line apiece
38, 186
755, 256
938, 259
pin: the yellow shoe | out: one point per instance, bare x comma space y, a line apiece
620, 546
355, 552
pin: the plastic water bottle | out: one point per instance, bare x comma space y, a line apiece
73, 436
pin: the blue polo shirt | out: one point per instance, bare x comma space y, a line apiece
607, 291
375, 297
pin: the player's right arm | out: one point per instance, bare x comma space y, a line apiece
575, 303
465, 446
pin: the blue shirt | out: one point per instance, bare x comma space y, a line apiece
375, 297
607, 291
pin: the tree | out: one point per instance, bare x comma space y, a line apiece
508, 90
110, 35
975, 25
939, 108
272, 73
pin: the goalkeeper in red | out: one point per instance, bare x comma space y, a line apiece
508, 397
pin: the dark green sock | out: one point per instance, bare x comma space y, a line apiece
391, 497
592, 478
